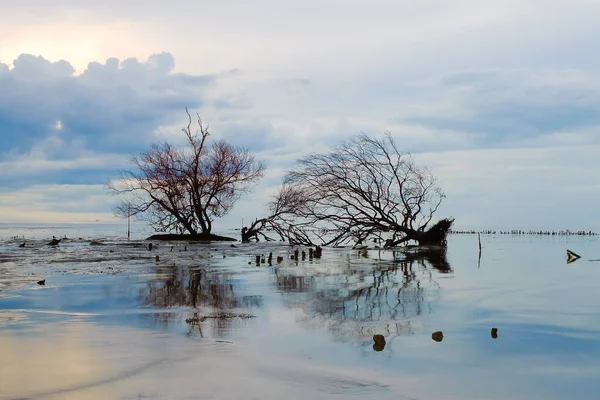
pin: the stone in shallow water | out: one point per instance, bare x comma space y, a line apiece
379, 342
378, 338
437, 336
378, 346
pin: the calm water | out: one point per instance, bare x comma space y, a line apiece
110, 322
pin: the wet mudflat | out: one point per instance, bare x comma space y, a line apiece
204, 321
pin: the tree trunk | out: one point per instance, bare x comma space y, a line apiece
434, 236
248, 234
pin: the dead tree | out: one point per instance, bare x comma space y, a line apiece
365, 189
185, 189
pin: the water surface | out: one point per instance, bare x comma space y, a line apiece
205, 322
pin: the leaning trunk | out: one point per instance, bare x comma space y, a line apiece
254, 230
434, 236
247, 234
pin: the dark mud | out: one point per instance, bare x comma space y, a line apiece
192, 238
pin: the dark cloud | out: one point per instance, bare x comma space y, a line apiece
71, 176
111, 107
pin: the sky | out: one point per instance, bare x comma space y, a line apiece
500, 99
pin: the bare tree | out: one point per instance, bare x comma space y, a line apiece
185, 189
363, 189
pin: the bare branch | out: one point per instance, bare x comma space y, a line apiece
185, 189
363, 189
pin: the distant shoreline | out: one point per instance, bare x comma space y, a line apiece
565, 232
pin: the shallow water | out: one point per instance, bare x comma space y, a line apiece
205, 322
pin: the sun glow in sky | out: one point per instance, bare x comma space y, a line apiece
500, 98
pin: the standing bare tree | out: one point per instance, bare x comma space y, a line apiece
185, 189
363, 189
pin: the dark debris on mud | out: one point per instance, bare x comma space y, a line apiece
202, 318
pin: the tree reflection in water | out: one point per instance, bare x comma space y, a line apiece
205, 293
367, 296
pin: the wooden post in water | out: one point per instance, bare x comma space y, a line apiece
479, 258
128, 223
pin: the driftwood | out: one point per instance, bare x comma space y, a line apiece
53, 242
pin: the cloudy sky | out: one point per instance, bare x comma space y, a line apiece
500, 98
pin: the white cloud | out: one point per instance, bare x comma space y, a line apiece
56, 203
112, 106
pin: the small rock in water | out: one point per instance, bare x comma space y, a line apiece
157, 258
437, 336
378, 338
379, 344
42, 282
494, 333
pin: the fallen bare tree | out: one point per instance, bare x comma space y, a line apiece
185, 189
285, 204
365, 189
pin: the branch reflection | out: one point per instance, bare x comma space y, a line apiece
207, 293
366, 296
